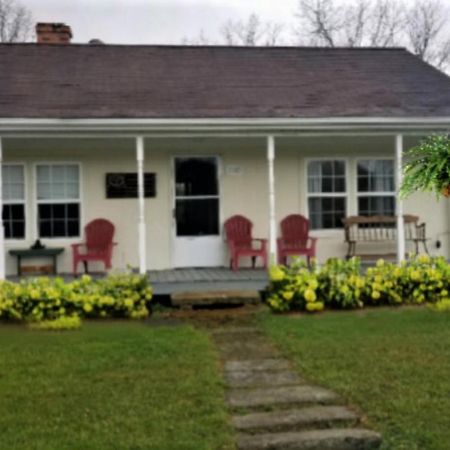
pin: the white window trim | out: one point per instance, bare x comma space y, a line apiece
324, 232
37, 201
19, 202
374, 193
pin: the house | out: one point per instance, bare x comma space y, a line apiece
167, 142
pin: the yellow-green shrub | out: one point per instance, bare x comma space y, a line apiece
441, 306
59, 324
293, 287
39, 299
421, 279
341, 284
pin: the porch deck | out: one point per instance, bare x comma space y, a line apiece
167, 282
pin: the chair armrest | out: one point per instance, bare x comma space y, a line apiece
262, 241
76, 249
313, 241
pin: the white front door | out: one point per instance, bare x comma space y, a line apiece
197, 231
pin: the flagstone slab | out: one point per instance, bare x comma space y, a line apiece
332, 439
233, 330
266, 364
317, 416
245, 349
244, 379
266, 397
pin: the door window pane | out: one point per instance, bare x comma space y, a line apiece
196, 177
197, 217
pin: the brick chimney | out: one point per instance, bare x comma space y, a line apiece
53, 33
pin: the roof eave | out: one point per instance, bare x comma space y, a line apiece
114, 126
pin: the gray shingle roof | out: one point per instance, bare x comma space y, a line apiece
121, 81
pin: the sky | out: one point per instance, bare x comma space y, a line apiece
153, 21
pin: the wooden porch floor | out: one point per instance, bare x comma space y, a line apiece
166, 282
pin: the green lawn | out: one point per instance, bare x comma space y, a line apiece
110, 386
394, 364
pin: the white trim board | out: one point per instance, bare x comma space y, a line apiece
257, 126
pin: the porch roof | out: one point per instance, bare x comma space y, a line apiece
185, 82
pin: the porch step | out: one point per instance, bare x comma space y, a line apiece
295, 419
213, 298
332, 439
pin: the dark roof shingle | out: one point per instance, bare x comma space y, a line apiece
121, 81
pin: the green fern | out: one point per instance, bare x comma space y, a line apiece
428, 167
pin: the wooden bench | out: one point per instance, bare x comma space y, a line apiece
379, 230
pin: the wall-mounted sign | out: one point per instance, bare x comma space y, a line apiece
125, 185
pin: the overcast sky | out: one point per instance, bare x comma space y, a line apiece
152, 21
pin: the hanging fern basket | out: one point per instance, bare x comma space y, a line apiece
428, 167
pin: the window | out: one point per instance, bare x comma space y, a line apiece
196, 196
13, 214
327, 193
58, 200
376, 187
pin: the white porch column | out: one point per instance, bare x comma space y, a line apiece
2, 228
272, 214
141, 202
399, 202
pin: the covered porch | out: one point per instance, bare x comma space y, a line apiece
265, 170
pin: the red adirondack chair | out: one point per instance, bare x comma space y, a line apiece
295, 239
98, 246
238, 230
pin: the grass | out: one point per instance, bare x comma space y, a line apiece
110, 386
394, 364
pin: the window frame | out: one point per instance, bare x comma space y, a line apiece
18, 202
359, 194
79, 200
345, 194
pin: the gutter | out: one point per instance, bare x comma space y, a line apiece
258, 126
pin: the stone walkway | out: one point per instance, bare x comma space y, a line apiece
273, 408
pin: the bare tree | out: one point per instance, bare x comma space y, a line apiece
422, 26
362, 22
426, 31
15, 22
251, 32
201, 39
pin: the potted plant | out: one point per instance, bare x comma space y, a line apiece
428, 167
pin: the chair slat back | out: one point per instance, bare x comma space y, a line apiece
238, 229
99, 234
295, 230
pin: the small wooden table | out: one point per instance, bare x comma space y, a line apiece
52, 252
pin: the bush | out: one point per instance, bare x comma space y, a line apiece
340, 284
42, 299
62, 323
